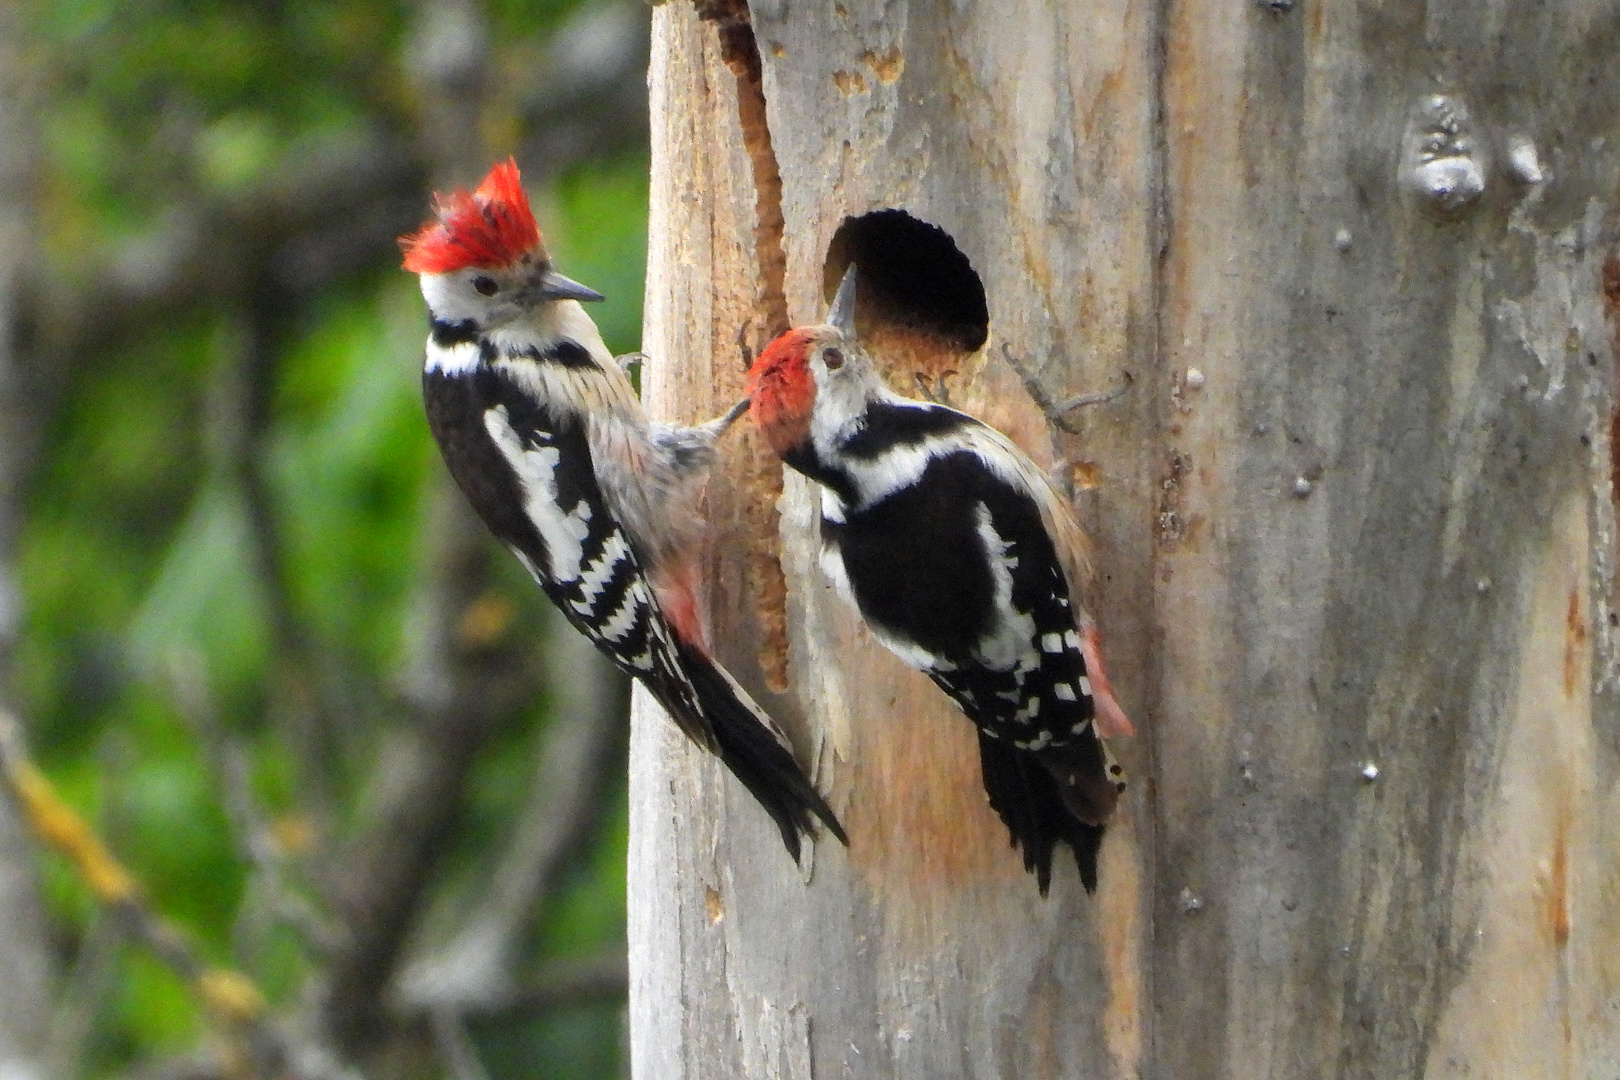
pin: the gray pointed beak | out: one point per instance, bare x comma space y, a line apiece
842, 312
553, 286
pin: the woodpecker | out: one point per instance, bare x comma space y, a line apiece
966, 562
545, 436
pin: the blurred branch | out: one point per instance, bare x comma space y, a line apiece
310, 702
231, 999
448, 59
559, 983
449, 690
315, 219
586, 97
455, 1045
269, 883
334, 210
421, 789
83, 990
421, 782
25, 956
582, 748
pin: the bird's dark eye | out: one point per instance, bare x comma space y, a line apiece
833, 358
486, 285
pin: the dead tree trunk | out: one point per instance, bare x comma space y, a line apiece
1355, 529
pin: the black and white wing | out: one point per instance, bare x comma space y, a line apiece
530, 476
949, 557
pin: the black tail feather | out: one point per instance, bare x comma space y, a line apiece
1030, 803
751, 749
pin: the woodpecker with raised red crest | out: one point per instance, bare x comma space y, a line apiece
544, 434
967, 563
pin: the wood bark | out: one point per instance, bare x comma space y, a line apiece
1354, 520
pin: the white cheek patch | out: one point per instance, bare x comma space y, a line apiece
448, 297
455, 360
563, 532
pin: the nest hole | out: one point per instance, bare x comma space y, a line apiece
920, 307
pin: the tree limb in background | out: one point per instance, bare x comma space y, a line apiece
603, 978
582, 747
232, 999
324, 214
421, 782
455, 1045
310, 705
25, 949
272, 250
420, 788
270, 887
84, 988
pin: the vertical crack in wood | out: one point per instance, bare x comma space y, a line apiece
740, 52
1158, 238
762, 476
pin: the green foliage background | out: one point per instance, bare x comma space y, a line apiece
134, 545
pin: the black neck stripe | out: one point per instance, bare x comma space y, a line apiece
447, 335
565, 351
888, 425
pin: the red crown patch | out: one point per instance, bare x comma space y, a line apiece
490, 227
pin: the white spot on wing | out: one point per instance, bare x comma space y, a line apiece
563, 532
912, 654
1007, 641
832, 507
832, 564
1085, 685
1063, 692
1052, 643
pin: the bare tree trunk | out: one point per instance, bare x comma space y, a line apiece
1355, 532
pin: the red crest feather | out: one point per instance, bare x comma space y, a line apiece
781, 390
490, 227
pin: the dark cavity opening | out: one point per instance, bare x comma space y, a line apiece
914, 282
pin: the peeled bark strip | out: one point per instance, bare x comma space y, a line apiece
1354, 531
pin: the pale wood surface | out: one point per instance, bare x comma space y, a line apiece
1149, 189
